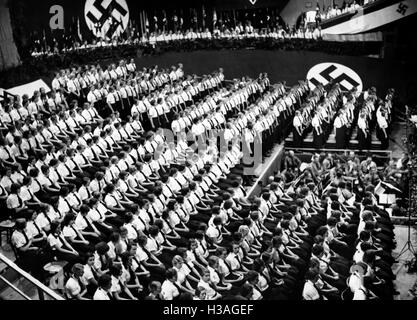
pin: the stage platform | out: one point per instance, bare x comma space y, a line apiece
331, 141
270, 166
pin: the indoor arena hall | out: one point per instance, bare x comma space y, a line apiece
208, 150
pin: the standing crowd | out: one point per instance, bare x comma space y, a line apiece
345, 115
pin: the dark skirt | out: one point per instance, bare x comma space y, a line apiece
363, 142
318, 139
146, 124
297, 138
340, 137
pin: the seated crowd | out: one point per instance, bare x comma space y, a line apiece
137, 193
351, 236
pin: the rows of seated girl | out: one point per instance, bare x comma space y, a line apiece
283, 245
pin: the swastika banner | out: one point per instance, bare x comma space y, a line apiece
106, 18
323, 73
361, 22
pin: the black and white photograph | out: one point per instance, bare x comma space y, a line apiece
231, 151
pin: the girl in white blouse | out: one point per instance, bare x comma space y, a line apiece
183, 273
196, 255
61, 248
210, 288
74, 236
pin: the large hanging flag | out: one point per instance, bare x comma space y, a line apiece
155, 19
142, 26
370, 18
100, 15
164, 20
204, 16
79, 30
44, 44
146, 22
194, 18
175, 21
181, 19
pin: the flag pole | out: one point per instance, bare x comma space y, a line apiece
44, 39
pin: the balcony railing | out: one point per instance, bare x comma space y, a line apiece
25, 286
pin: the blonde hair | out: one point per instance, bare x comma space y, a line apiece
244, 230
177, 259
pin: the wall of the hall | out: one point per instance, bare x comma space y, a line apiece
290, 66
9, 57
